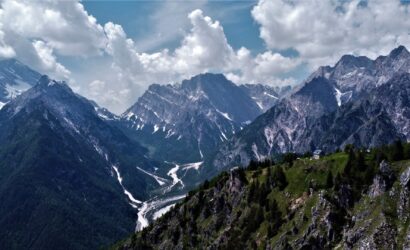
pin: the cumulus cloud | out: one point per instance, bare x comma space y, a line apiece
35, 32
167, 24
39, 32
49, 61
263, 68
322, 31
64, 25
203, 49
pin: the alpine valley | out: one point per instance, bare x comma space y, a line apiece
73, 175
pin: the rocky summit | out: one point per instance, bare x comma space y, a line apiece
185, 122
358, 101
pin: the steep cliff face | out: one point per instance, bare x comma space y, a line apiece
339, 201
355, 76
280, 128
265, 96
358, 101
381, 118
186, 122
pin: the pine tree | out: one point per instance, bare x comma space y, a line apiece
397, 151
251, 193
279, 178
406, 151
360, 163
338, 181
329, 180
276, 216
348, 148
350, 164
270, 233
253, 165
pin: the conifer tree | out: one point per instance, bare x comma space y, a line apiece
279, 178
329, 180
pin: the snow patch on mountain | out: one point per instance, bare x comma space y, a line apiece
134, 202
161, 181
173, 174
195, 165
226, 115
338, 95
14, 90
162, 211
153, 205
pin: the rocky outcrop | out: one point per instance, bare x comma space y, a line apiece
383, 180
403, 206
320, 232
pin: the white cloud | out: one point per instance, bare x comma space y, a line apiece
203, 49
39, 32
168, 24
45, 53
35, 32
64, 25
322, 31
264, 68
6, 51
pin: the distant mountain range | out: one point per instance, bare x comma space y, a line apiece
186, 122
358, 101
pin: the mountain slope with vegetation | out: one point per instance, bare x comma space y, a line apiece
351, 199
68, 180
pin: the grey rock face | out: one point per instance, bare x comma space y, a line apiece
15, 78
382, 238
358, 101
265, 96
403, 207
358, 75
280, 128
405, 177
196, 115
382, 181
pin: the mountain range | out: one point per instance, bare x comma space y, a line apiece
68, 179
186, 122
74, 175
354, 102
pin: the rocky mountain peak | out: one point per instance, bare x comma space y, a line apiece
400, 51
205, 80
351, 61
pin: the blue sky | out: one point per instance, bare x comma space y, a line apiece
111, 51
136, 17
